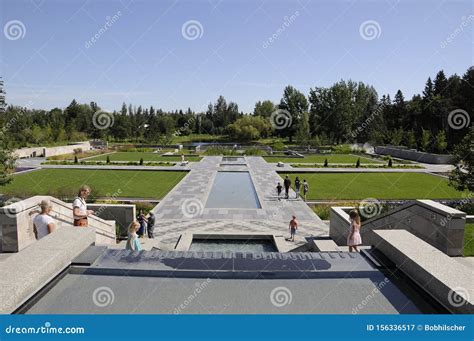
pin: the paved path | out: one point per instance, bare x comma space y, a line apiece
184, 208
427, 169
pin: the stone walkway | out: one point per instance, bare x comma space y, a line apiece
183, 209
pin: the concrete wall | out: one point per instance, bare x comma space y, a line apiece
26, 272
51, 151
16, 223
439, 225
410, 154
443, 277
122, 214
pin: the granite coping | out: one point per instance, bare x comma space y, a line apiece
26, 272
449, 281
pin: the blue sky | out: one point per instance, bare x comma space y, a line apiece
144, 58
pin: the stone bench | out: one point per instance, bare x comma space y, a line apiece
444, 278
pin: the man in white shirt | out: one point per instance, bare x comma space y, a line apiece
43, 223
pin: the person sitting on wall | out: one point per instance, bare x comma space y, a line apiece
79, 207
43, 223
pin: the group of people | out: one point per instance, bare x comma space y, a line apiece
287, 186
43, 223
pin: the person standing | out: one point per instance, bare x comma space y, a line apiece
297, 187
43, 223
354, 239
287, 185
279, 188
132, 242
305, 189
151, 225
79, 207
293, 227
143, 224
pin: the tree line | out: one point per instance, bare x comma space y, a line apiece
345, 112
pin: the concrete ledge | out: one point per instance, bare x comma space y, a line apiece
27, 271
323, 245
447, 280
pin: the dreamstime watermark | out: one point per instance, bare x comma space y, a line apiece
192, 30
200, 286
281, 296
46, 329
367, 121
459, 119
14, 30
369, 208
102, 119
103, 297
185, 126
192, 208
375, 291
457, 31
458, 297
102, 208
109, 22
463, 202
281, 119
17, 205
370, 30
287, 22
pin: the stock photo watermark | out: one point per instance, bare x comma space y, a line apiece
287, 22
199, 288
109, 22
370, 30
465, 22
192, 30
14, 30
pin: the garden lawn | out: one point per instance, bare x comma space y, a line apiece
332, 158
340, 186
469, 240
104, 183
136, 156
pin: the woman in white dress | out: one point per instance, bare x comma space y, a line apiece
354, 239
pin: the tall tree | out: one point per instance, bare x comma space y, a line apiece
295, 103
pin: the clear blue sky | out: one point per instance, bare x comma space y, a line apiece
143, 58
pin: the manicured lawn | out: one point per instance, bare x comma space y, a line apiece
104, 183
341, 186
332, 158
469, 240
136, 156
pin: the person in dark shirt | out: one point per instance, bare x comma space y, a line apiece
297, 187
287, 185
151, 225
279, 188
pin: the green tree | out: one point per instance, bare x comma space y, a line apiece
462, 177
441, 143
302, 134
295, 103
410, 139
249, 128
425, 141
264, 108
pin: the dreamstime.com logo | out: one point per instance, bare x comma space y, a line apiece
18, 206
370, 30
281, 296
281, 119
369, 208
102, 119
192, 30
192, 208
458, 297
103, 297
46, 329
459, 119
14, 30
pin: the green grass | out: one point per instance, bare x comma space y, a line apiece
341, 186
332, 158
469, 240
119, 183
136, 156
